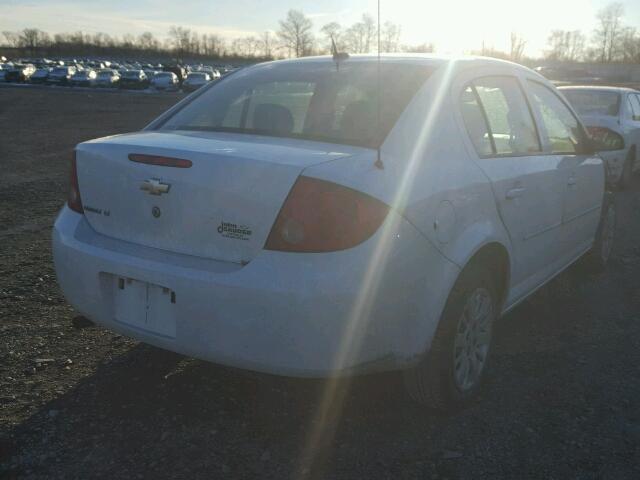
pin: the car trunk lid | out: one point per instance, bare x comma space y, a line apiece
221, 207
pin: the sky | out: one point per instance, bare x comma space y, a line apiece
454, 26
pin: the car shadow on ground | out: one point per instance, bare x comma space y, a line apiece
151, 413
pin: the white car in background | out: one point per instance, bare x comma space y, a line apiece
195, 80
611, 114
165, 81
107, 78
271, 223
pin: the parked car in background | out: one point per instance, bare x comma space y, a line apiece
178, 70
84, 78
107, 78
165, 81
20, 73
612, 115
4, 68
150, 73
327, 242
133, 79
195, 80
40, 75
61, 75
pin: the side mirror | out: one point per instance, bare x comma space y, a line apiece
604, 139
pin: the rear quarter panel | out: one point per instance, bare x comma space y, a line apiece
429, 176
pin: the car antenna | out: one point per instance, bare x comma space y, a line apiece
337, 56
378, 163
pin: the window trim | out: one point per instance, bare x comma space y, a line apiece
584, 150
471, 84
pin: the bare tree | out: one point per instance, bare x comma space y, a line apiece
102, 40
32, 39
630, 45
147, 41
355, 38
517, 47
390, 37
565, 45
180, 39
607, 36
266, 44
12, 39
333, 32
213, 45
369, 27
295, 33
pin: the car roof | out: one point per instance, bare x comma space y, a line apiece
602, 88
428, 59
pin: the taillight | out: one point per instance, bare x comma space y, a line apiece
74, 201
605, 138
320, 216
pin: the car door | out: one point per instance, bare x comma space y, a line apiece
631, 125
526, 183
566, 140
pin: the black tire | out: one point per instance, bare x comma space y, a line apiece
433, 381
627, 169
598, 257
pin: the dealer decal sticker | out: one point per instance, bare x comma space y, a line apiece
232, 230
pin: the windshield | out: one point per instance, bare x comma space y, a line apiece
197, 76
105, 74
132, 74
164, 75
594, 102
316, 101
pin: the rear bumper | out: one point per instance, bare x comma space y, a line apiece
290, 314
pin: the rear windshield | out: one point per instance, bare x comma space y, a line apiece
199, 76
316, 101
132, 74
594, 102
164, 74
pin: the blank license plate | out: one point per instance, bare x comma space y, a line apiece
145, 306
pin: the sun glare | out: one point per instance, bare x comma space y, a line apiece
460, 26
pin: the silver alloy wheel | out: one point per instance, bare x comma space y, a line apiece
473, 337
607, 234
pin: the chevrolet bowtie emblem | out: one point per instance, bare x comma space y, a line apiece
155, 186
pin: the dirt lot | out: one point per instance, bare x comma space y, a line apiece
563, 400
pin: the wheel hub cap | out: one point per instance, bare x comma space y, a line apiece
473, 337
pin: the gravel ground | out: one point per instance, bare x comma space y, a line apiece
562, 401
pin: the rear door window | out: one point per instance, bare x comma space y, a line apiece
562, 128
475, 122
634, 104
510, 127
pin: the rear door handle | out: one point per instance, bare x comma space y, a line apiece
514, 193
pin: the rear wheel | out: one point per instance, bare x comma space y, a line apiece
452, 373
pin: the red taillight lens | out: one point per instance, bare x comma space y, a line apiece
74, 201
320, 216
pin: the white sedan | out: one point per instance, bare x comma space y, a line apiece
285, 221
165, 81
612, 115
